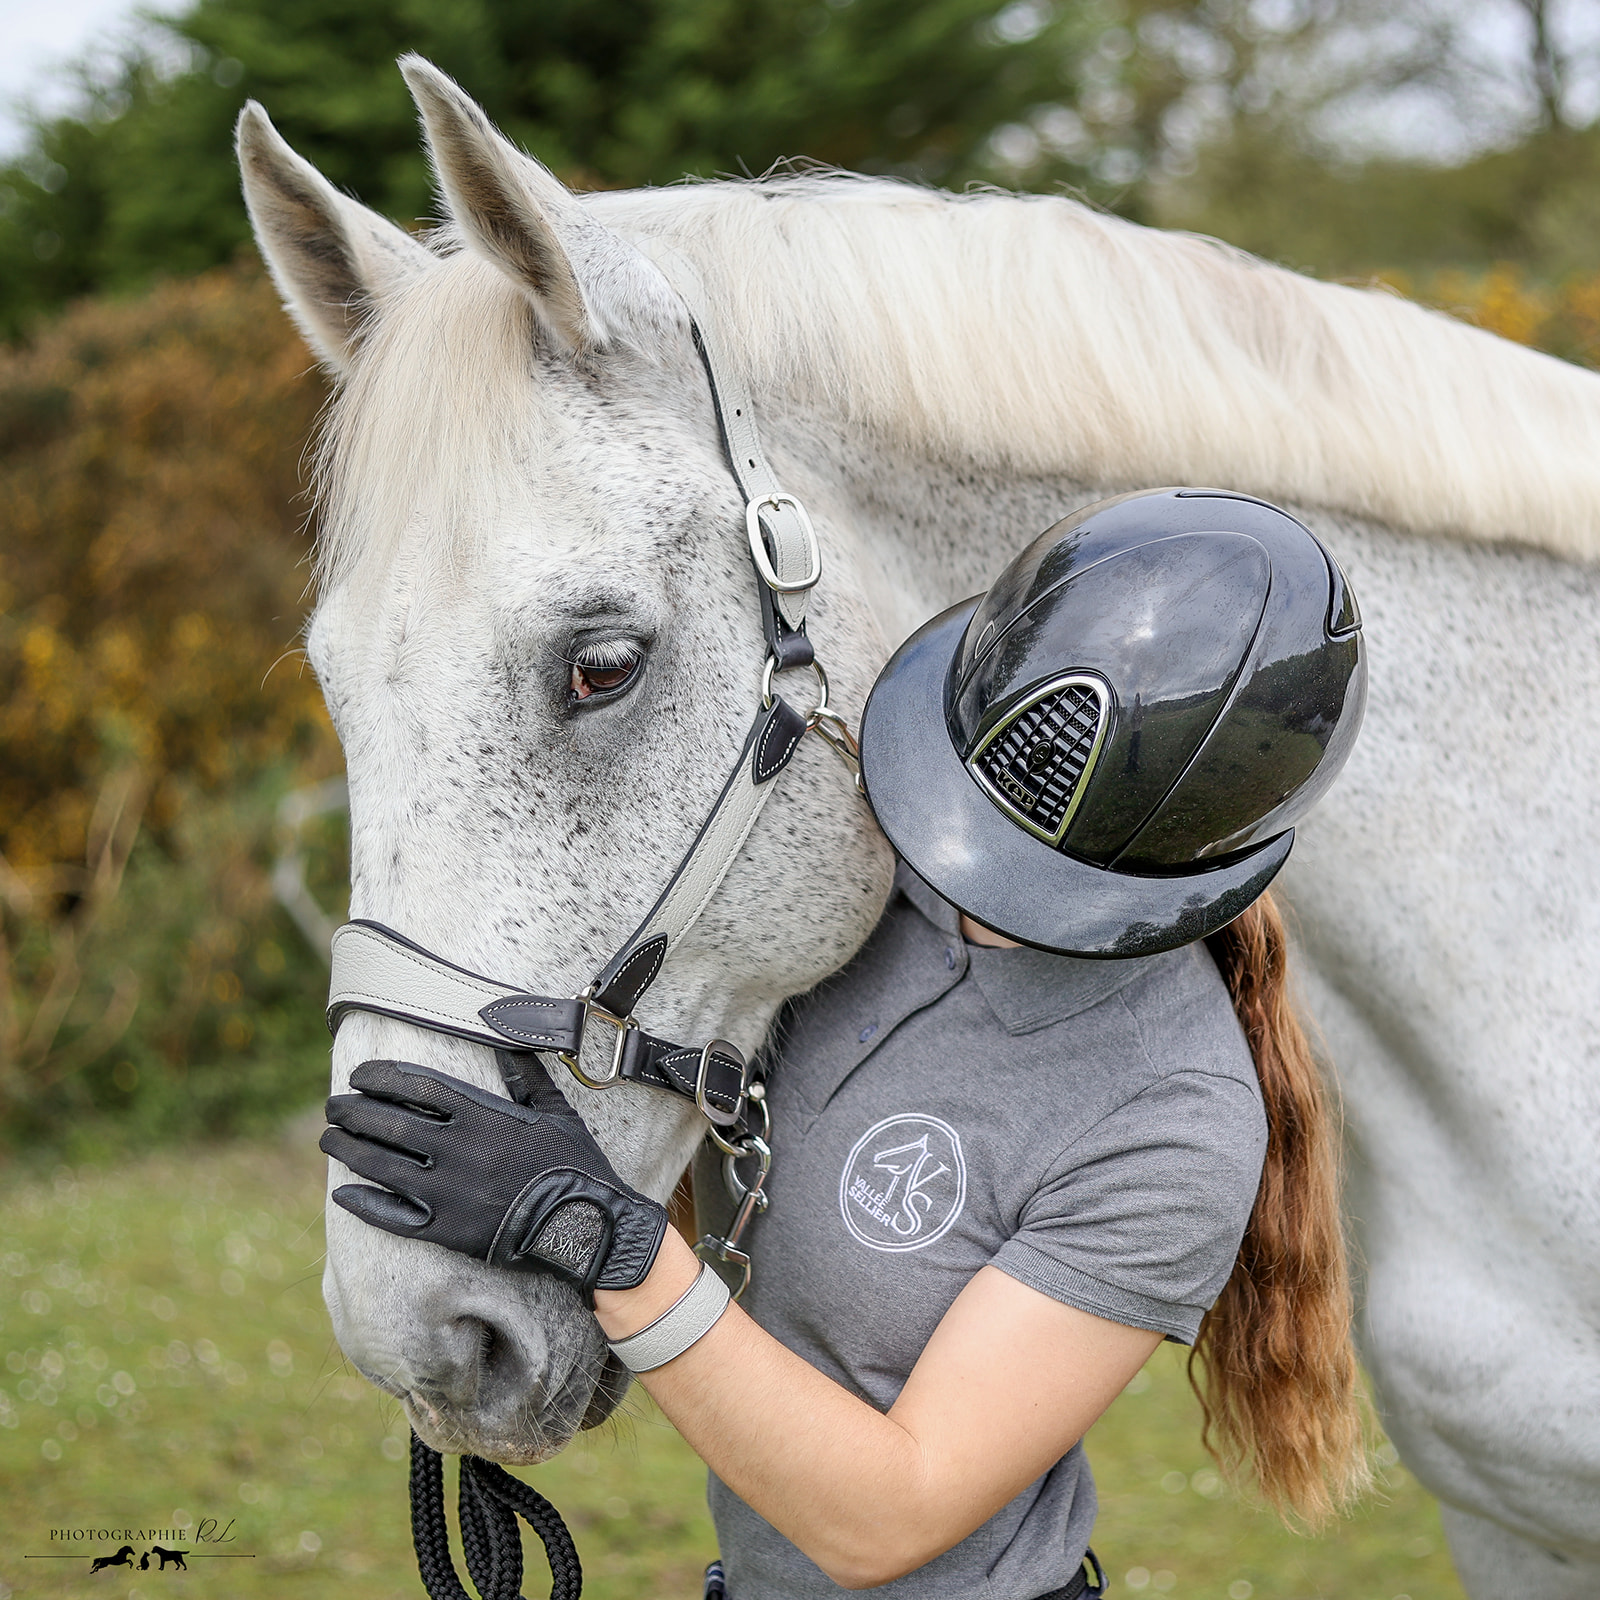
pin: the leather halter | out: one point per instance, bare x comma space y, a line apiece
378, 970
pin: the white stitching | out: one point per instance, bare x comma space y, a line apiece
659, 955
520, 1033
761, 754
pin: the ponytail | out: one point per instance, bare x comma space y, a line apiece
1273, 1364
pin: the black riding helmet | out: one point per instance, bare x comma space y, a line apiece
1106, 754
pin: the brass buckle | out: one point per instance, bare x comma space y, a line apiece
572, 1060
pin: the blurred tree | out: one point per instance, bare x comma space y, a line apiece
1340, 135
141, 181
151, 580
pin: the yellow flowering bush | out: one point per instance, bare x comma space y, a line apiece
152, 704
1564, 319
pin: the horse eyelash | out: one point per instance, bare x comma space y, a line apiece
605, 654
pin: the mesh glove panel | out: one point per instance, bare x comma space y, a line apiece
518, 1186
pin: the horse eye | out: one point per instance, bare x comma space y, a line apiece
604, 669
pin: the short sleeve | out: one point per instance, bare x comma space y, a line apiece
1140, 1219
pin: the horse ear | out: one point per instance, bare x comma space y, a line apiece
508, 207
329, 255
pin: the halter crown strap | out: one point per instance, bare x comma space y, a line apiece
788, 560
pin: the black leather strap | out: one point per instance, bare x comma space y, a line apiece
790, 647
664, 1065
536, 1022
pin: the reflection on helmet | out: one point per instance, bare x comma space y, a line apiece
1106, 753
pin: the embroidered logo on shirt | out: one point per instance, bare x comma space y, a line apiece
904, 1183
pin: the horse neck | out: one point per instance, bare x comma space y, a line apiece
916, 532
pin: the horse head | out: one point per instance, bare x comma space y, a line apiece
538, 638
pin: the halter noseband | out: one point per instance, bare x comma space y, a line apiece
378, 970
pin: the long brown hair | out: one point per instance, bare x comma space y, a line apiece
1273, 1365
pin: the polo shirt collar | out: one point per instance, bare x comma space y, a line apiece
934, 907
1026, 989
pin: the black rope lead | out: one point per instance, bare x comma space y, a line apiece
491, 1500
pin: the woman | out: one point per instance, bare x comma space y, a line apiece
1008, 1172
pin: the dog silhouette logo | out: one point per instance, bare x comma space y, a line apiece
175, 1557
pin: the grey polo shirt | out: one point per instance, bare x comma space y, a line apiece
1092, 1128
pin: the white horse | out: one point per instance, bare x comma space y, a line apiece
522, 478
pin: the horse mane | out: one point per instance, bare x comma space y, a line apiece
1038, 336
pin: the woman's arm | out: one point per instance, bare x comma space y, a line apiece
1009, 1382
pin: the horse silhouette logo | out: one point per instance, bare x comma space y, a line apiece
173, 1556
123, 1558
904, 1183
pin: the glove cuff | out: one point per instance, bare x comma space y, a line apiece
581, 1228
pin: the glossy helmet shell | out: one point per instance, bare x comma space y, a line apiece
1106, 754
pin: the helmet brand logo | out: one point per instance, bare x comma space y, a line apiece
904, 1183
1024, 798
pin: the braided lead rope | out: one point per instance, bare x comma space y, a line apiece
490, 1541
491, 1501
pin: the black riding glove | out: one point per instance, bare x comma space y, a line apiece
520, 1186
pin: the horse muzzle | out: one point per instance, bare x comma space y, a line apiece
486, 1363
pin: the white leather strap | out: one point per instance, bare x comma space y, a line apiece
794, 546
374, 970
688, 1321
719, 843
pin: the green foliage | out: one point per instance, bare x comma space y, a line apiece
1536, 205
165, 1349
150, 581
142, 181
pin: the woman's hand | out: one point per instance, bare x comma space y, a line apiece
519, 1186
1009, 1382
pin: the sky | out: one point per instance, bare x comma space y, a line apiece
37, 35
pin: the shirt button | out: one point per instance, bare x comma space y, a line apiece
950, 958
866, 1033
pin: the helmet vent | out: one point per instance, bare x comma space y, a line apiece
1033, 764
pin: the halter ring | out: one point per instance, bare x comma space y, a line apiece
821, 707
572, 1061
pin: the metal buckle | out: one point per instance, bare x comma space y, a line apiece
721, 1119
758, 545
623, 1025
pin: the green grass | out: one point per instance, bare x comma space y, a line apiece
167, 1359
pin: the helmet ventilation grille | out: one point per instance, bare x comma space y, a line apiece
1033, 764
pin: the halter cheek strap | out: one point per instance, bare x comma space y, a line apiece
378, 970
783, 544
